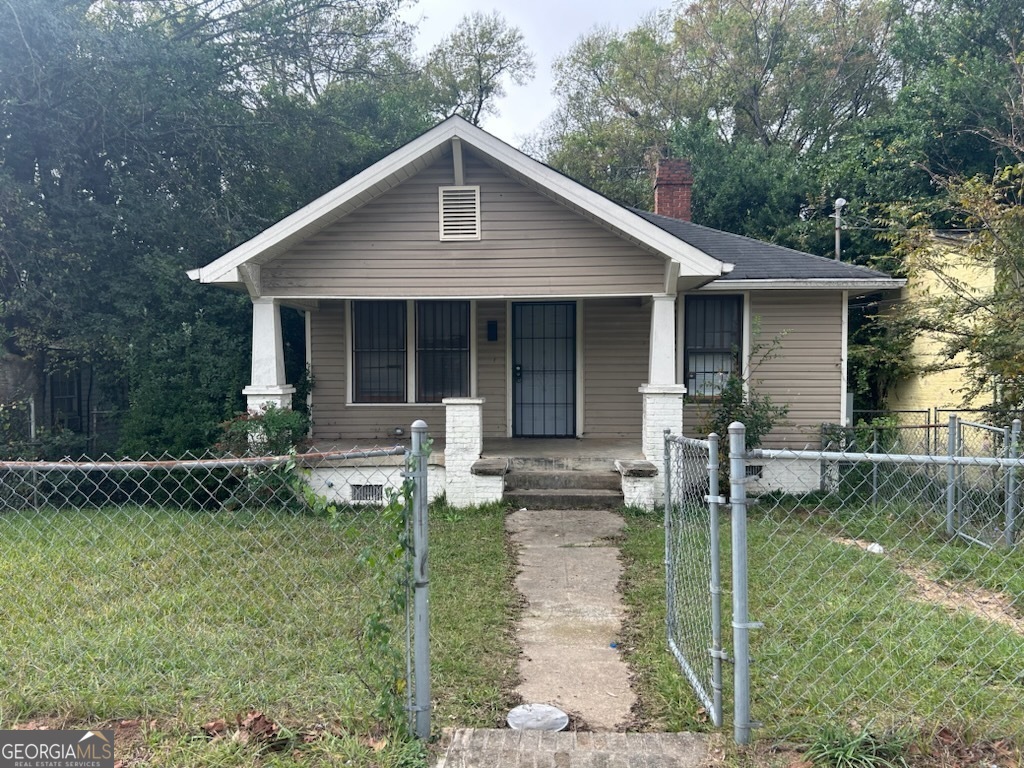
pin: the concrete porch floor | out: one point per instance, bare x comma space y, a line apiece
556, 448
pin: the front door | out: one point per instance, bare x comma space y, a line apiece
544, 369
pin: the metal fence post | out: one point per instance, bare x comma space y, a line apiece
951, 477
714, 501
874, 468
670, 582
1012, 498
421, 582
740, 621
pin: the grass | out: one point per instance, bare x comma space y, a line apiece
474, 607
847, 636
160, 621
666, 700
838, 748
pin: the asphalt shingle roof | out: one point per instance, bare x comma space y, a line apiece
757, 260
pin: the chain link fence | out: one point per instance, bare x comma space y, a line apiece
693, 588
203, 587
890, 583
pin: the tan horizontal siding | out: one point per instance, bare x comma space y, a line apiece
806, 373
530, 246
616, 337
492, 377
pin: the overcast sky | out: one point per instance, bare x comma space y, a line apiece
550, 27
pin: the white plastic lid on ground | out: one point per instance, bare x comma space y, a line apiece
537, 717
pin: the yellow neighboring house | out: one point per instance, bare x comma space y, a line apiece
945, 271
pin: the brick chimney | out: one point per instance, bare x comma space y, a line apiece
673, 189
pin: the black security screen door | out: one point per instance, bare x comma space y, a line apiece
544, 369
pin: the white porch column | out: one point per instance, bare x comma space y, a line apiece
662, 397
662, 365
267, 385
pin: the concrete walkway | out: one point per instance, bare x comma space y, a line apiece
573, 616
569, 634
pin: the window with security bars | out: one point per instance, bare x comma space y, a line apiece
442, 350
714, 336
381, 358
379, 351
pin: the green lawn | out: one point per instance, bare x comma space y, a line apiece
847, 636
177, 618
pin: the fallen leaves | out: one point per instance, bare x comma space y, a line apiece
252, 728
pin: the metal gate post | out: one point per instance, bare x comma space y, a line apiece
874, 469
670, 582
951, 477
740, 620
1012, 497
421, 582
717, 655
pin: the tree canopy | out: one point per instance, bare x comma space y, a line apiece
144, 138
785, 105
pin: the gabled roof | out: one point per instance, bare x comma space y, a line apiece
764, 263
418, 154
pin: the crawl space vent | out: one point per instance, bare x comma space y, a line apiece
367, 493
460, 213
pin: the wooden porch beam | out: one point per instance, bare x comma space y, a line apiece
460, 178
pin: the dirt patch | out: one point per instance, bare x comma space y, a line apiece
983, 603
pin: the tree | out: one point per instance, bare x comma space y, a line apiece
792, 73
979, 322
139, 140
467, 70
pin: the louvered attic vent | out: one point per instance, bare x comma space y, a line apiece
460, 213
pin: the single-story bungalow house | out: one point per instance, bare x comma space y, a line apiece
462, 282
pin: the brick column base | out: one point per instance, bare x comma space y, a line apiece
663, 409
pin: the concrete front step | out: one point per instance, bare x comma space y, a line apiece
488, 748
565, 498
538, 480
561, 464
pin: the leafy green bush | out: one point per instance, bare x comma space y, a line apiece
48, 445
740, 401
273, 431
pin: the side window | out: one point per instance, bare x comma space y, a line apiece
713, 342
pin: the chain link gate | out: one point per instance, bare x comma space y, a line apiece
981, 502
692, 572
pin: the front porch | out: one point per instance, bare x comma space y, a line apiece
533, 472
560, 385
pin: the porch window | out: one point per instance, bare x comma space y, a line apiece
442, 350
382, 359
713, 342
378, 351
